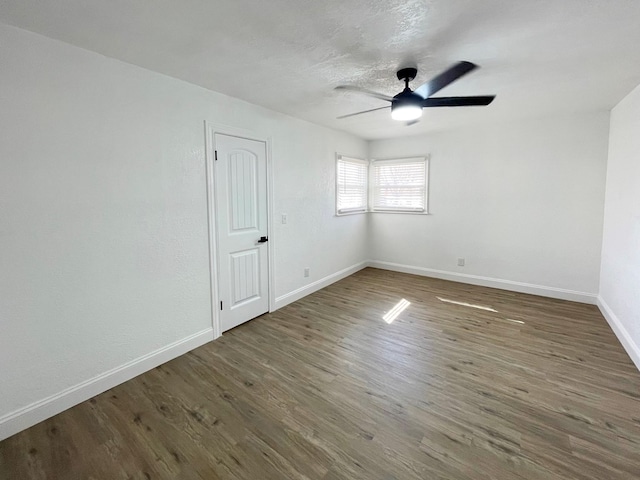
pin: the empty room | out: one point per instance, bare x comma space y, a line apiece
326, 240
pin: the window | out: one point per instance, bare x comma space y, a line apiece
394, 186
351, 185
399, 185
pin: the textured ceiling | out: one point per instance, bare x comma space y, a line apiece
539, 56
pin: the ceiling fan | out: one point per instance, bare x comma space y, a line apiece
407, 105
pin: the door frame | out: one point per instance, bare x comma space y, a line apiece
211, 129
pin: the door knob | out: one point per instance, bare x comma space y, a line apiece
263, 239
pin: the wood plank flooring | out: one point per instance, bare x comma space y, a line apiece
326, 389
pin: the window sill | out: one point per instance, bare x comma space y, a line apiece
399, 212
346, 214
392, 212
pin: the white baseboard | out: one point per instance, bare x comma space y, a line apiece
297, 294
632, 348
41, 410
521, 287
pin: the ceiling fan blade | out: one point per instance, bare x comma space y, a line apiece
458, 101
359, 113
445, 78
412, 122
353, 88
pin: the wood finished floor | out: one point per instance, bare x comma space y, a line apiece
325, 389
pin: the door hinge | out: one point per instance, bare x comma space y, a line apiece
216, 154
220, 305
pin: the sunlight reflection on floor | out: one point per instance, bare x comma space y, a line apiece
392, 314
464, 304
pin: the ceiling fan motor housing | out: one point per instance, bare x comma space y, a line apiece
406, 105
407, 97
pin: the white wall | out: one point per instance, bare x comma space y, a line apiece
620, 271
521, 202
103, 218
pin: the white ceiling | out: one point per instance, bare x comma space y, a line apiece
538, 56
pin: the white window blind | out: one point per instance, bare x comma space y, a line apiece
351, 185
399, 185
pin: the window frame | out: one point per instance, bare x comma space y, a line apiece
354, 210
412, 159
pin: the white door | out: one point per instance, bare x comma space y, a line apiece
241, 212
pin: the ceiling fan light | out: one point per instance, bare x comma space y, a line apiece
406, 113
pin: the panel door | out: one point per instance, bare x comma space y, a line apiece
241, 212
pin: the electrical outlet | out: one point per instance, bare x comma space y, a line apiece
306, 271
461, 262
284, 218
